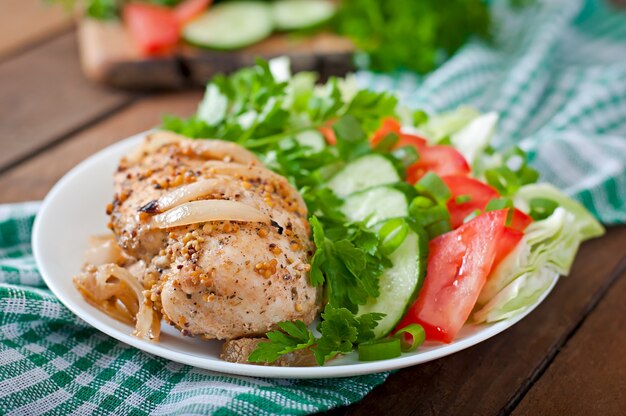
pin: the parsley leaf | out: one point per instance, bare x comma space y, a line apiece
291, 337
350, 263
352, 140
341, 331
368, 107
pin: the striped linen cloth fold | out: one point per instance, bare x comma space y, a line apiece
557, 75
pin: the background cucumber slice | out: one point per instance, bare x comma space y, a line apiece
375, 205
231, 25
302, 14
312, 139
365, 172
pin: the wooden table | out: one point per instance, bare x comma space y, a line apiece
566, 358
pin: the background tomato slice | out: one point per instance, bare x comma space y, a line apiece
391, 125
388, 125
458, 265
412, 140
154, 29
329, 134
442, 159
479, 195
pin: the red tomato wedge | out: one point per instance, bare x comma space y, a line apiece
442, 159
479, 195
189, 9
520, 220
511, 235
458, 265
510, 238
154, 29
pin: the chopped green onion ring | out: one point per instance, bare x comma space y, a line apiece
471, 216
380, 350
387, 143
438, 228
542, 208
432, 185
419, 117
461, 199
431, 215
407, 155
392, 234
418, 336
421, 202
499, 203
503, 179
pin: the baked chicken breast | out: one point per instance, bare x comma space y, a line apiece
222, 242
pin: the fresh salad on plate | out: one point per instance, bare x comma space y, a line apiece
299, 221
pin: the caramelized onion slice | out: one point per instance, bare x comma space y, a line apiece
153, 142
252, 172
116, 292
104, 249
186, 193
209, 210
209, 149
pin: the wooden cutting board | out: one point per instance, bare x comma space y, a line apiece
109, 56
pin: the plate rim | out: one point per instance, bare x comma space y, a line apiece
347, 370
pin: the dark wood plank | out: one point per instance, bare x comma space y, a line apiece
44, 97
489, 377
32, 179
24, 22
589, 376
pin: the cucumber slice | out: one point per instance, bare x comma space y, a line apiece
302, 14
232, 25
375, 205
399, 284
365, 172
312, 139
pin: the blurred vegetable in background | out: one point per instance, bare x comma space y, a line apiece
415, 35
392, 34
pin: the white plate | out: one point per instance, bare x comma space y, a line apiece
74, 209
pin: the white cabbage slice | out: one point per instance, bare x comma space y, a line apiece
439, 126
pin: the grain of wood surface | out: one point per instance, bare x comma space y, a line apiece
45, 97
24, 23
564, 358
33, 179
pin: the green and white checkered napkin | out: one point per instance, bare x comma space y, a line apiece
558, 77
